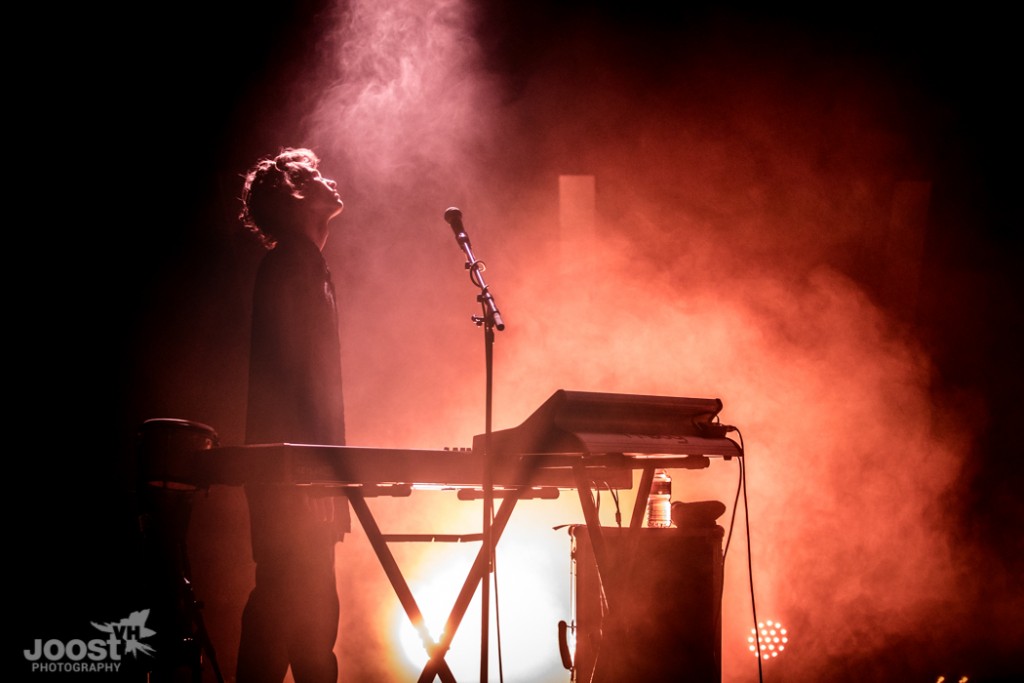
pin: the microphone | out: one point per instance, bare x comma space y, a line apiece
453, 217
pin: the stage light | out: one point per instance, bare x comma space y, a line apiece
529, 610
772, 637
436, 595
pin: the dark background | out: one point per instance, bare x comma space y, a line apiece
133, 142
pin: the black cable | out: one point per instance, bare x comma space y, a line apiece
728, 540
735, 501
750, 561
615, 501
497, 612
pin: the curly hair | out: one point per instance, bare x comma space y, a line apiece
272, 190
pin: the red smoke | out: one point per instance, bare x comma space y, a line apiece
752, 212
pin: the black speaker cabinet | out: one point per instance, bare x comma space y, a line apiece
659, 615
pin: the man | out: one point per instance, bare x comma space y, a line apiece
291, 618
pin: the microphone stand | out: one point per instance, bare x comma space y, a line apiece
490, 318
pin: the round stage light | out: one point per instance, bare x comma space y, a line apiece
771, 636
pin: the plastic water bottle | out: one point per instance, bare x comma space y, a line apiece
659, 503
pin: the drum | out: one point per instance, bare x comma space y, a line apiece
169, 475
169, 452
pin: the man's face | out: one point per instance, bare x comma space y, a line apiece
320, 194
